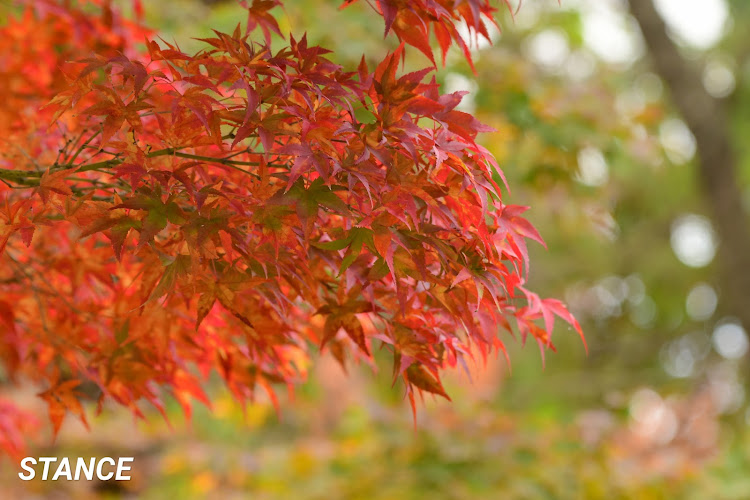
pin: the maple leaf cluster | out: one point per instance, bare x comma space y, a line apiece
412, 20
167, 215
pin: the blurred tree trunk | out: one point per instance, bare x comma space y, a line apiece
707, 119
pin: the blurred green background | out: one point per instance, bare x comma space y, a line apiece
587, 136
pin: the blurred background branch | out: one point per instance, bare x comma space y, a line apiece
707, 119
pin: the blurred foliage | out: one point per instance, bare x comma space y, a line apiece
569, 431
368, 449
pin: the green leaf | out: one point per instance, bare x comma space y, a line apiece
359, 236
179, 267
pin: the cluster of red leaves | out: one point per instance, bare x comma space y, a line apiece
411, 21
15, 425
223, 211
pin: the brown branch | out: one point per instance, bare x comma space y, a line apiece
717, 163
24, 176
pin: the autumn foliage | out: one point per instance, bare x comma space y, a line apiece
166, 215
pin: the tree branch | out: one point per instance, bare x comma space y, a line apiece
23, 176
717, 164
